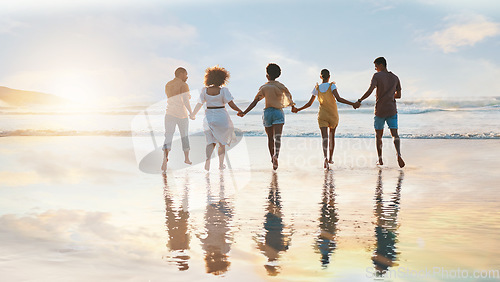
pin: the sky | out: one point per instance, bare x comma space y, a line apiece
123, 52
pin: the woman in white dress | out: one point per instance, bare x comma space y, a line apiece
217, 124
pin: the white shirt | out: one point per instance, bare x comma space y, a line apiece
323, 87
218, 100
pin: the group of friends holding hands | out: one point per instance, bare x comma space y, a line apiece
219, 129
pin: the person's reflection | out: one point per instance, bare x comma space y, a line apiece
177, 225
274, 240
387, 226
216, 241
325, 242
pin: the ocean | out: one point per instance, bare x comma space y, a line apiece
424, 119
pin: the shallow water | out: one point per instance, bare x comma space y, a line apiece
78, 208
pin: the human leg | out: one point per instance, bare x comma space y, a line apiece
332, 144
183, 125
167, 143
378, 136
392, 122
165, 160
209, 150
324, 138
222, 154
397, 145
270, 140
379, 123
278, 129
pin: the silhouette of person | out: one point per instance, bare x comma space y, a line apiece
275, 240
386, 233
177, 225
325, 243
216, 241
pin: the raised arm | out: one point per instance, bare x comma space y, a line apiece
340, 99
307, 105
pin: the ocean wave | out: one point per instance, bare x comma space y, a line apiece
48, 132
251, 133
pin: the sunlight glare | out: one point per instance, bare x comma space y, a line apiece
79, 89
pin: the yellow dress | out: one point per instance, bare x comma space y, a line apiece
328, 115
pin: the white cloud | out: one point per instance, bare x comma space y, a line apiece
463, 31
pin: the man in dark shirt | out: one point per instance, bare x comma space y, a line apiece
388, 90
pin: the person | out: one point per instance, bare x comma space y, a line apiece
277, 97
217, 124
176, 114
388, 90
328, 116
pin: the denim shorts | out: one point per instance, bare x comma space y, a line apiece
391, 121
273, 116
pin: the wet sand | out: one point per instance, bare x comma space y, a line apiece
80, 209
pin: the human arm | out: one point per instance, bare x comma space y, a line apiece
366, 95
195, 111
340, 99
185, 100
307, 105
198, 105
250, 107
397, 95
228, 99
288, 101
234, 107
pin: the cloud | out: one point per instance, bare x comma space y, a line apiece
8, 26
20, 178
463, 31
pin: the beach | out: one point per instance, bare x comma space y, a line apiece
80, 208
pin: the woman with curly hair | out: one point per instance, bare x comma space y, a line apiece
217, 124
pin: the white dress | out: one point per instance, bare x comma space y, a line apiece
217, 124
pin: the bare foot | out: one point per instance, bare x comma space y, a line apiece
275, 162
325, 164
164, 165
380, 162
330, 162
401, 163
207, 165
222, 166
187, 161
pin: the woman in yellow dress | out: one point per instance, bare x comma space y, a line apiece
328, 115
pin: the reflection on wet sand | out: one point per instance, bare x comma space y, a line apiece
325, 243
216, 241
177, 225
275, 240
386, 229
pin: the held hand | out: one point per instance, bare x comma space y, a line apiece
191, 116
240, 114
294, 110
356, 105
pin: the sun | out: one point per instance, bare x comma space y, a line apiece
76, 87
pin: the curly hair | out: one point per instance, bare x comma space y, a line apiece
273, 70
216, 76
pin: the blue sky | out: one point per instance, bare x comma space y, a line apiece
119, 52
